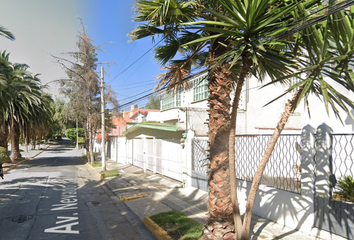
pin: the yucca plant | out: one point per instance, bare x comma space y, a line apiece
345, 188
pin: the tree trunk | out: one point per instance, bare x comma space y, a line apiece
92, 160
4, 135
15, 142
246, 65
289, 109
219, 222
33, 141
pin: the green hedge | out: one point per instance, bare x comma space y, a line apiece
71, 134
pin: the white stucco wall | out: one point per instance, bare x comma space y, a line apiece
319, 114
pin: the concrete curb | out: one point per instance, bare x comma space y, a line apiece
99, 175
25, 160
156, 230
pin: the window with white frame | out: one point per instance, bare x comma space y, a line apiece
171, 100
293, 81
200, 88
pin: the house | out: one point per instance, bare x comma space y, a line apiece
188, 107
116, 138
138, 115
175, 145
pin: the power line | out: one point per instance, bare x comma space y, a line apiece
136, 60
332, 10
136, 95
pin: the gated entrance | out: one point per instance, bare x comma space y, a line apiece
163, 156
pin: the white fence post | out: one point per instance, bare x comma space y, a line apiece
187, 171
145, 157
323, 159
307, 161
154, 154
308, 173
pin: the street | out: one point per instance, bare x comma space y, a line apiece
56, 196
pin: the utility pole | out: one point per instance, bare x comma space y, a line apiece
103, 156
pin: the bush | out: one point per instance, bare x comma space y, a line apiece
81, 140
71, 133
4, 156
346, 189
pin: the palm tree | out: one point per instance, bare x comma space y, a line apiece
38, 125
236, 35
330, 52
5, 70
24, 108
22, 96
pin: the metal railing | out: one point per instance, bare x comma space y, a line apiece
283, 170
343, 155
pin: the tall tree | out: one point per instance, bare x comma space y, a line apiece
24, 107
153, 103
83, 89
329, 51
5, 72
238, 38
58, 125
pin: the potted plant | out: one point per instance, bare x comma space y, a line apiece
345, 188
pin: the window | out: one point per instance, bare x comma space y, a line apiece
200, 88
171, 100
293, 81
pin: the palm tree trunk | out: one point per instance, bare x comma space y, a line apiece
15, 142
219, 222
289, 109
4, 135
33, 141
232, 168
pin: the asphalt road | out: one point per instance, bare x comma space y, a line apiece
55, 196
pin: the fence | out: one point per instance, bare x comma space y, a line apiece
282, 170
343, 155
295, 188
336, 159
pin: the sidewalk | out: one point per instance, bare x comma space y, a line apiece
27, 154
148, 193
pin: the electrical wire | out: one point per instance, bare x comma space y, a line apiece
136, 60
332, 9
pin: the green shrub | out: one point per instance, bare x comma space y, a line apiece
71, 133
346, 189
4, 156
81, 140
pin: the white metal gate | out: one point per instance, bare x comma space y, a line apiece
163, 156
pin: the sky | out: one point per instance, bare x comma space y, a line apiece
46, 28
